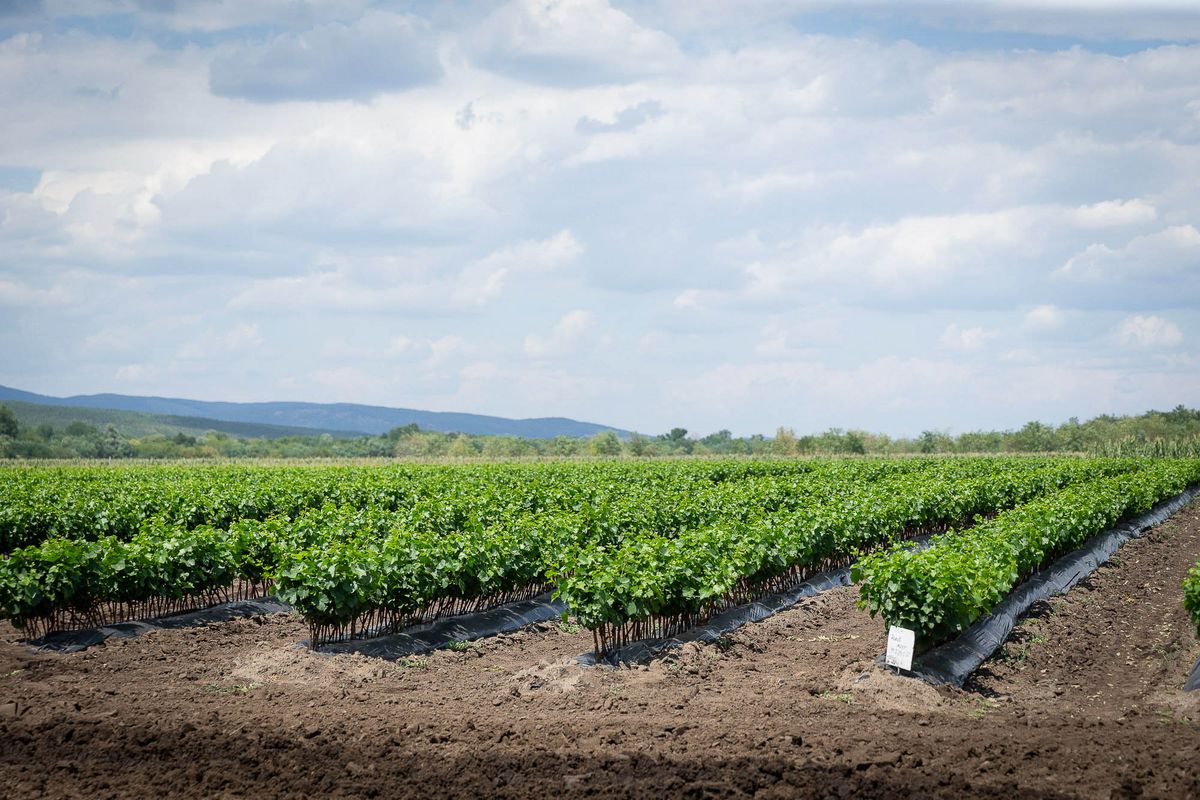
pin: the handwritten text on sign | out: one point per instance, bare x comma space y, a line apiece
900, 647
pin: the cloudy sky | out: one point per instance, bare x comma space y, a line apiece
682, 212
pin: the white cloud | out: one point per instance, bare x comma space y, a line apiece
407, 284
212, 16
1115, 213
1089, 19
379, 52
914, 260
20, 294
785, 337
572, 331
887, 383
575, 42
1045, 317
920, 250
1148, 332
343, 380
526, 390
240, 338
431, 352
689, 299
965, 339
484, 279
445, 348
758, 188
400, 345
1170, 251
137, 373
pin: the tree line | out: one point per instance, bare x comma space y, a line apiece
1174, 432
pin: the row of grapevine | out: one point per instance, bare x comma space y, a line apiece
66, 585
636, 550
39, 503
85, 503
654, 586
941, 590
467, 539
351, 584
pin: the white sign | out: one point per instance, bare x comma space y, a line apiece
900, 647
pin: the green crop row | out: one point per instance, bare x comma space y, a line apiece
64, 584
384, 572
1191, 595
39, 503
468, 535
939, 591
348, 584
632, 548
653, 585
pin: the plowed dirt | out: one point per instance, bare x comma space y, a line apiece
1084, 701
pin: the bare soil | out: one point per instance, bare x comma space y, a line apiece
1084, 701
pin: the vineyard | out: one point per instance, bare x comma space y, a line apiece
400, 650
635, 550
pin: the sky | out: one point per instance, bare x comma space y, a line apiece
874, 215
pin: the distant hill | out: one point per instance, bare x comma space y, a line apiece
135, 424
316, 418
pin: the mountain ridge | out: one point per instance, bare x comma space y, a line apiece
137, 424
350, 417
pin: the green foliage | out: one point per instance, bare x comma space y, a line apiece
604, 444
935, 442
621, 542
1191, 595
832, 516
159, 562
942, 589
65, 432
81, 537
1138, 446
8, 423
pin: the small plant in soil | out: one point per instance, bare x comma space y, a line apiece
1015, 657
723, 644
412, 662
1168, 653
236, 688
841, 698
985, 705
1168, 717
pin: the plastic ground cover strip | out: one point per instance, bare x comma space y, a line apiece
951, 663
462, 628
1193, 681
75, 641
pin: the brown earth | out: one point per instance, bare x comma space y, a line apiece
1084, 701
